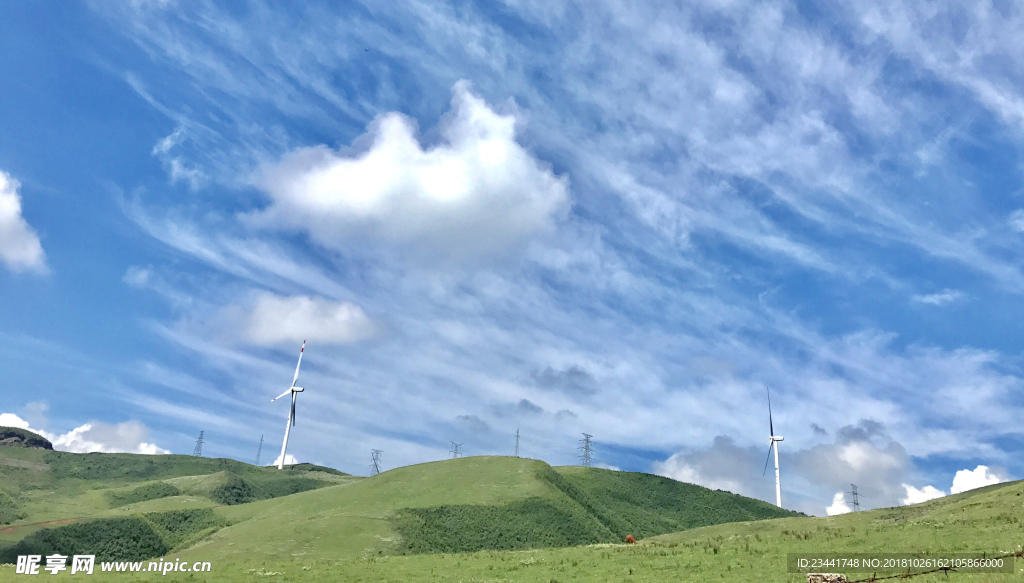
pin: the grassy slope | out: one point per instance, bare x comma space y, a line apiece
356, 519
353, 519
983, 520
50, 486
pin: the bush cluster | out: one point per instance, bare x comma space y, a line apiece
133, 538
525, 524
9, 509
110, 539
596, 506
239, 490
142, 493
179, 528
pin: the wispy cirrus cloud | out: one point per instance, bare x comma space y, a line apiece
751, 192
946, 296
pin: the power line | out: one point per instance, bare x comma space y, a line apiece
375, 463
198, 451
456, 450
588, 450
856, 499
517, 442
260, 450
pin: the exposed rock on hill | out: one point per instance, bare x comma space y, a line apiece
15, 437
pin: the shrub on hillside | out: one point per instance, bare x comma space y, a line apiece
141, 494
238, 490
647, 505
180, 528
110, 539
284, 486
304, 467
234, 490
594, 506
525, 524
9, 509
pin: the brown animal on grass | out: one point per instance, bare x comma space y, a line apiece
629, 539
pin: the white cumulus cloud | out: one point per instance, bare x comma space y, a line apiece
673, 468
475, 193
273, 319
913, 495
965, 480
20, 248
127, 437
719, 467
12, 420
838, 506
289, 460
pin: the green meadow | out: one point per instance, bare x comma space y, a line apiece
480, 519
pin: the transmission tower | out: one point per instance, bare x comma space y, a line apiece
198, 451
517, 442
375, 463
588, 450
856, 498
260, 450
456, 450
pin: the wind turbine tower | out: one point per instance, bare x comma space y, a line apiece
291, 411
773, 443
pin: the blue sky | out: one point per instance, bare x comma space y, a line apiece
556, 217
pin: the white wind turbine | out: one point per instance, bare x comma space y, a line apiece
291, 412
773, 442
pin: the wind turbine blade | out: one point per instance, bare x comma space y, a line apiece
293, 409
296, 377
281, 395
771, 428
767, 458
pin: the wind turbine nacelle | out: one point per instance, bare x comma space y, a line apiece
300, 389
777, 438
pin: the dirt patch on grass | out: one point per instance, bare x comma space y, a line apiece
6, 461
10, 529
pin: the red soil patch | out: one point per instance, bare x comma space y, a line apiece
11, 529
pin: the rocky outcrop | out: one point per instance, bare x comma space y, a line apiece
15, 437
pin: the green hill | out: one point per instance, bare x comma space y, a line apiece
468, 504
41, 488
478, 518
458, 505
984, 520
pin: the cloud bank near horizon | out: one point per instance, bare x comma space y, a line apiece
125, 437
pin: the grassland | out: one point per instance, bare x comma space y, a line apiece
983, 520
467, 504
485, 502
45, 489
365, 529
